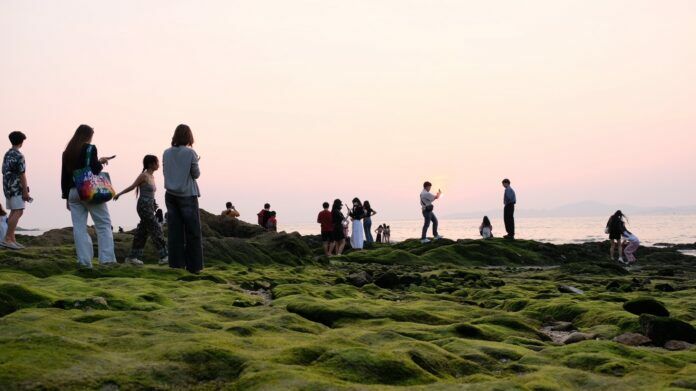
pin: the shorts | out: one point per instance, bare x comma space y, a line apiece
614, 236
337, 234
326, 236
14, 203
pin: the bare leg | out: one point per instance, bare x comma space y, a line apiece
611, 249
12, 222
340, 247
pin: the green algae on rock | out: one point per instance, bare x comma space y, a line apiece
267, 313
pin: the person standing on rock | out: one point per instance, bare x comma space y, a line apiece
14, 185
509, 200
367, 221
80, 153
145, 188
180, 166
426, 200
357, 214
615, 228
338, 236
379, 232
326, 223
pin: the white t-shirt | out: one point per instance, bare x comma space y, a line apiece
426, 198
630, 237
486, 232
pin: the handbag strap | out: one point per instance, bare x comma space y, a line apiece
88, 158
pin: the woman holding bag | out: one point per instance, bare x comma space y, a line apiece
80, 154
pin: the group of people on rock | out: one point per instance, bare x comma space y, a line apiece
427, 200
183, 247
623, 241
335, 225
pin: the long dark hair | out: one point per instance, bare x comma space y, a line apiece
83, 135
486, 222
337, 205
356, 200
619, 216
148, 160
367, 206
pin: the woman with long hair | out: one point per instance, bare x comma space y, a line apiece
77, 155
367, 221
357, 238
338, 237
146, 207
615, 228
180, 166
486, 228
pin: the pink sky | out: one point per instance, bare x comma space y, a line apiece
298, 102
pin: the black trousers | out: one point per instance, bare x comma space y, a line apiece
509, 217
184, 239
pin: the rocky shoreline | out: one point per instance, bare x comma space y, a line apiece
270, 312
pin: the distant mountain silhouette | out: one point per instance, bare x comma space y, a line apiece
581, 209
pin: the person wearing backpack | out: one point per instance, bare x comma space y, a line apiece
264, 214
615, 228
78, 154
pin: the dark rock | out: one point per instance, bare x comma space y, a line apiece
678, 345
570, 289
578, 337
664, 287
359, 279
662, 329
410, 279
388, 280
645, 305
560, 326
632, 339
613, 286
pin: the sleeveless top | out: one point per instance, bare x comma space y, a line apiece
147, 191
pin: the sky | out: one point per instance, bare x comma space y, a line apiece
300, 102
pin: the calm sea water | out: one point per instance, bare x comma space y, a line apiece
675, 229
649, 229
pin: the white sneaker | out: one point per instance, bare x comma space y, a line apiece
438, 237
10, 245
425, 240
133, 261
21, 246
164, 261
621, 260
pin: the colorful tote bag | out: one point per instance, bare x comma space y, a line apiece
93, 189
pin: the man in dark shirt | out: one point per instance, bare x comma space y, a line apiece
264, 215
326, 221
509, 200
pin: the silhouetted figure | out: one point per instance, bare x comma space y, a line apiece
615, 228
486, 228
426, 201
263, 215
509, 200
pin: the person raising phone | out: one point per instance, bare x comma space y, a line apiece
426, 199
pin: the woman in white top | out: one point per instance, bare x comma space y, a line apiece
486, 229
631, 248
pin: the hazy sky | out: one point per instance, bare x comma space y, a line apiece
298, 102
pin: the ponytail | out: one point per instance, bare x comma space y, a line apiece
148, 160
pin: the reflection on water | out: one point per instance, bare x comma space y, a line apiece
650, 229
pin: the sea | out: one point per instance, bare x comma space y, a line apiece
651, 230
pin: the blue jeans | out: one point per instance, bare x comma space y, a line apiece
367, 224
429, 216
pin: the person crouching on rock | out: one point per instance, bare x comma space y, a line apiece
632, 246
264, 214
326, 223
486, 228
180, 166
272, 223
145, 188
338, 236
